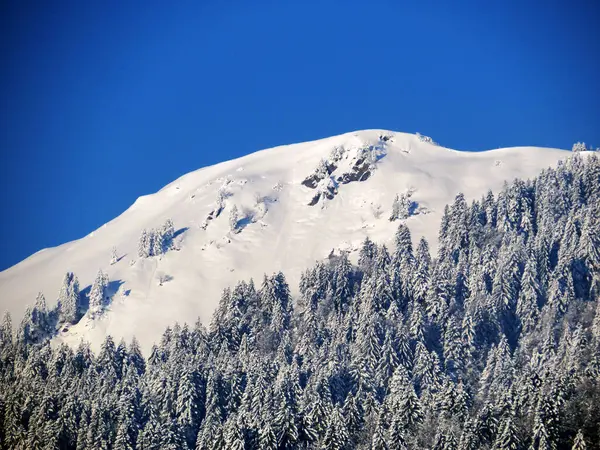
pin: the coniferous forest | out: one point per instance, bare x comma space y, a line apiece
493, 343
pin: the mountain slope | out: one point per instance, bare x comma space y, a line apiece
296, 203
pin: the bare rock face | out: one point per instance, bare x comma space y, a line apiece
360, 172
323, 171
328, 191
344, 166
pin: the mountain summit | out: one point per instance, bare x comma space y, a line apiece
169, 256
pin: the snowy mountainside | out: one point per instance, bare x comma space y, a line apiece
295, 205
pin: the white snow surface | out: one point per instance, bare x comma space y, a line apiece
281, 232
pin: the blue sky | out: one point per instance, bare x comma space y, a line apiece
101, 102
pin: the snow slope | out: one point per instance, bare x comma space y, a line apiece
279, 228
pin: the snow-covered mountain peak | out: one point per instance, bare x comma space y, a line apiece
276, 209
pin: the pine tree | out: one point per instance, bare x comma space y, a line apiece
155, 242
395, 209
234, 438
187, 406
167, 232
114, 257
402, 265
366, 257
69, 299
286, 419
395, 436
234, 219
410, 408
486, 424
402, 207
144, 244
561, 292
388, 360
540, 439
123, 440
589, 249
97, 297
420, 276
353, 417
507, 438
336, 435
135, 357
426, 372
379, 441
267, 438
316, 416
36, 323
579, 442
529, 297
6, 335
171, 438
211, 434
445, 441
468, 438
454, 348
546, 419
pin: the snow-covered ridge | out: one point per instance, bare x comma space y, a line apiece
280, 224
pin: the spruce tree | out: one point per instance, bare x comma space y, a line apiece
69, 300
579, 442
395, 215
144, 244
379, 439
234, 219
97, 297
114, 257
508, 438
336, 435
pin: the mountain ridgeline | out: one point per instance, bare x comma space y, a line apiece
168, 257
493, 344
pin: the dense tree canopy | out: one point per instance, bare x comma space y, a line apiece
493, 344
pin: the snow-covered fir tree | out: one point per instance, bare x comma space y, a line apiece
402, 207
114, 257
156, 242
97, 297
233, 218
144, 244
69, 300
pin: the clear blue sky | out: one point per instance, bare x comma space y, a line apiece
101, 102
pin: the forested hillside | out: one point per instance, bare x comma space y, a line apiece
492, 344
